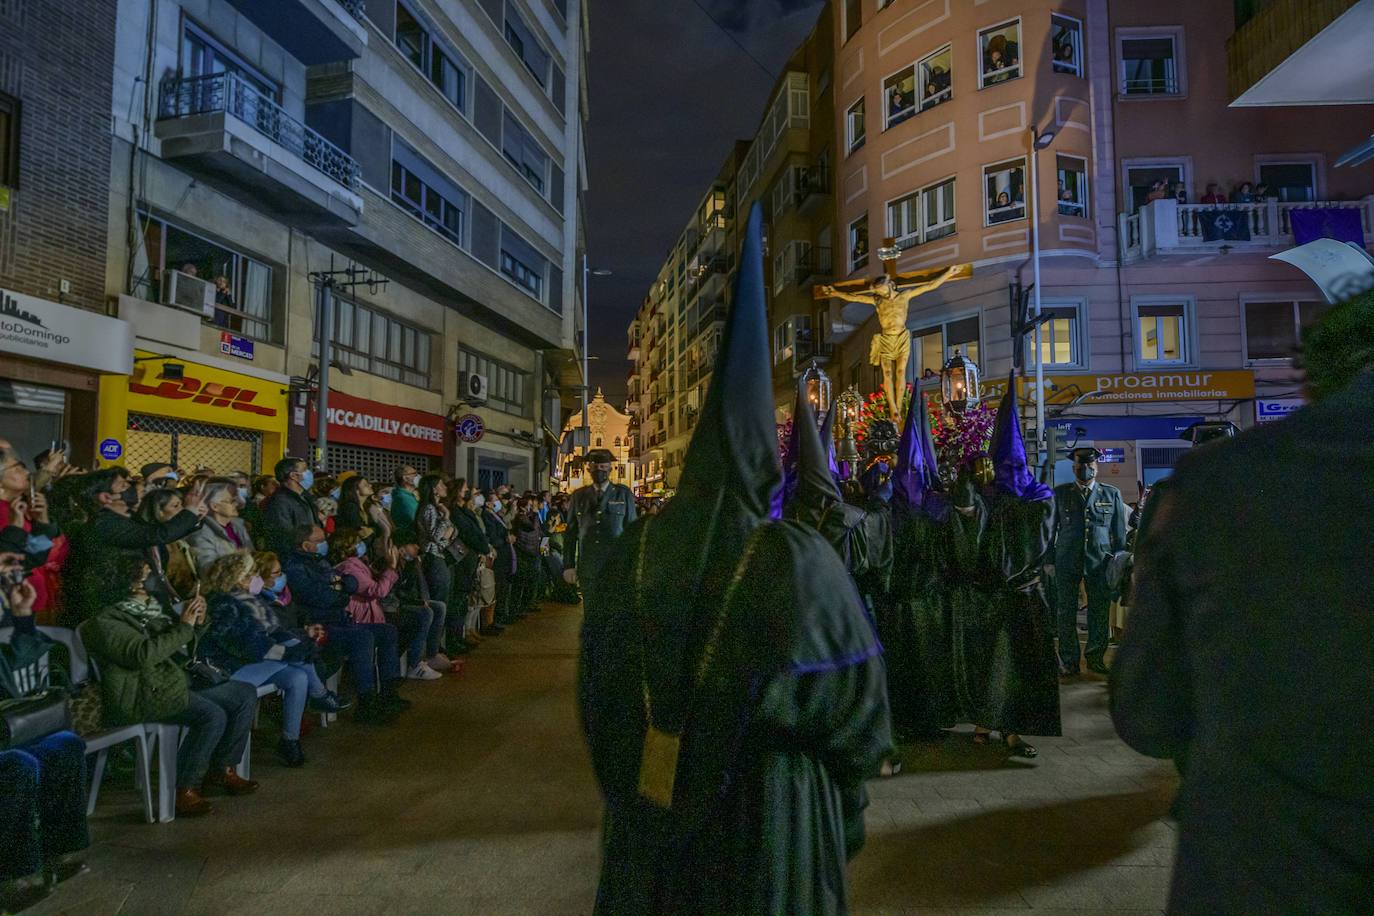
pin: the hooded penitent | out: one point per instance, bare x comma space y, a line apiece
914, 476
816, 488
1011, 474
731, 654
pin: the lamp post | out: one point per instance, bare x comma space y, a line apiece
959, 387
1039, 141
586, 343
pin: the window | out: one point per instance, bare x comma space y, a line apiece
933, 345
855, 120
370, 340
449, 78
1073, 185
508, 389
853, 17
903, 220
1004, 185
1060, 336
1273, 330
439, 206
1162, 333
858, 243
443, 67
526, 46
1149, 65
999, 48
1290, 182
522, 264
411, 37
1066, 44
899, 90
938, 211
787, 334
9, 141
202, 55
243, 299
524, 152
934, 72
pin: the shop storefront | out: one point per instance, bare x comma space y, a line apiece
193, 416
52, 359
374, 438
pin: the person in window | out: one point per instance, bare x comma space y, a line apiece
1159, 190
1000, 59
1064, 61
225, 299
937, 81
899, 106
1067, 207
999, 208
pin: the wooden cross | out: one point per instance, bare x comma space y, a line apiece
888, 254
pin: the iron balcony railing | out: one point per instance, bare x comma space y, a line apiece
183, 97
813, 263
355, 8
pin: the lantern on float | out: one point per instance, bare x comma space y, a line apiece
815, 384
959, 388
848, 404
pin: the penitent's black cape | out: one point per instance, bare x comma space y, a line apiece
791, 715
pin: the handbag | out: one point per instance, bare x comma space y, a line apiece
87, 707
28, 720
203, 672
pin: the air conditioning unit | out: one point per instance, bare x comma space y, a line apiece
187, 292
475, 388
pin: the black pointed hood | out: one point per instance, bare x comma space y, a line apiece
816, 487
732, 469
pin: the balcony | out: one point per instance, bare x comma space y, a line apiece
230, 134
814, 265
312, 31
813, 190
1166, 227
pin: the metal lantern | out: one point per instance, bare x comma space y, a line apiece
959, 388
816, 385
848, 404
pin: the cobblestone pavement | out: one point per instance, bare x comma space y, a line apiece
481, 800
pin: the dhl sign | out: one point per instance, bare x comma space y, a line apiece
207, 395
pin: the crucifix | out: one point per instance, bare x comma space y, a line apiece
891, 295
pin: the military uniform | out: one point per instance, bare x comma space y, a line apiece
1089, 526
595, 518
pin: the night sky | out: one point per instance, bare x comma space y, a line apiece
670, 92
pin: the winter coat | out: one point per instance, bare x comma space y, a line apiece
211, 541
141, 678
280, 516
365, 604
244, 629
317, 588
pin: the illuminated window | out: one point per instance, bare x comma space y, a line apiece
1004, 188
899, 95
934, 72
999, 49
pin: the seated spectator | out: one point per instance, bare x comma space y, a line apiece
141, 652
43, 784
348, 551
221, 532
267, 565
246, 638
27, 529
412, 592
108, 501
288, 507
1213, 195
175, 573
323, 595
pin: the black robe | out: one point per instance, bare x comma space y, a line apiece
790, 719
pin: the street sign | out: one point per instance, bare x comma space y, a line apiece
1267, 410
471, 428
1112, 455
233, 345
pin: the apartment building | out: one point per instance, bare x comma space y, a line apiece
1164, 306
434, 148
55, 339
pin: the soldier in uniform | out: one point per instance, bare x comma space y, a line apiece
596, 513
1089, 526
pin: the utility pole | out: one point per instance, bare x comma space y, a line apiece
328, 280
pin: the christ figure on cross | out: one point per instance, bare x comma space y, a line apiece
891, 295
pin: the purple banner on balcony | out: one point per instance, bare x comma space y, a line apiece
1339, 223
1224, 225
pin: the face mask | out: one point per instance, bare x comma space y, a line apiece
307, 479
386, 500
243, 494
361, 548
255, 585
496, 506
279, 584
414, 480
479, 501
322, 548
130, 497
334, 493
600, 476
1085, 472
170, 475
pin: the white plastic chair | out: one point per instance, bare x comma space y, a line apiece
245, 767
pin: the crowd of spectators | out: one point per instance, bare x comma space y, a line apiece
191, 591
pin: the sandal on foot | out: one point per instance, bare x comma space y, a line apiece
1022, 749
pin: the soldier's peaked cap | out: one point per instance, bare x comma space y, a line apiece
600, 456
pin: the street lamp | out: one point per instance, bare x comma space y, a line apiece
848, 404
959, 387
817, 387
1039, 141
586, 343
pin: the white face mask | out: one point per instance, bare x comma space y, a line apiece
496, 506
414, 480
479, 500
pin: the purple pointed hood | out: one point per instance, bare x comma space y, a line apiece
1011, 474
910, 479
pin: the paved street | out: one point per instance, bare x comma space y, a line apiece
481, 800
